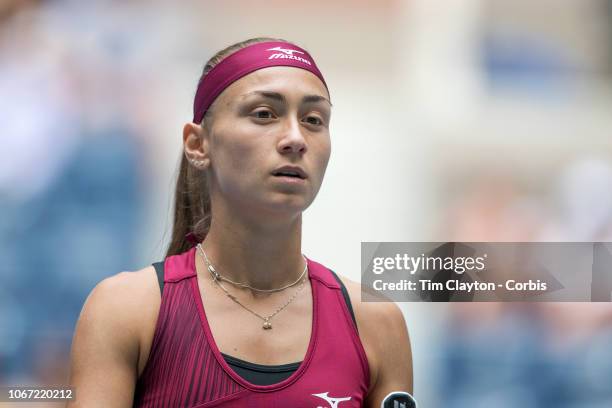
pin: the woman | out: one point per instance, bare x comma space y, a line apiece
243, 319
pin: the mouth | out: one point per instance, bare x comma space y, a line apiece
290, 171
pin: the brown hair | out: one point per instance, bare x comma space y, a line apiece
192, 213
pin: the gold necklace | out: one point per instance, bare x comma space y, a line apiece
267, 325
217, 275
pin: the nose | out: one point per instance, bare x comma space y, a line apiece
292, 140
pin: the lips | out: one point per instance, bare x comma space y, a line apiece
290, 171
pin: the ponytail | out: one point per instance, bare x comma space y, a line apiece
192, 213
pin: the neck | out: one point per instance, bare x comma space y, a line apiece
265, 255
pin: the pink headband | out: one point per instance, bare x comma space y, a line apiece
245, 61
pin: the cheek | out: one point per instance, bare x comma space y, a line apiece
324, 150
236, 161
227, 148
235, 156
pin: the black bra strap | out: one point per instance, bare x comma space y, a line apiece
346, 297
159, 269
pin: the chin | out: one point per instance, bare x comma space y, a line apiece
289, 208
287, 205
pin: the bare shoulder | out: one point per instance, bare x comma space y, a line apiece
384, 315
124, 304
106, 347
142, 280
126, 296
136, 295
384, 335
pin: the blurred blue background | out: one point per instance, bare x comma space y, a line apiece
471, 120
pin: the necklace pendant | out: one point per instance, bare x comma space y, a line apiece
267, 325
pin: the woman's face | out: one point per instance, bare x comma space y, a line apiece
272, 118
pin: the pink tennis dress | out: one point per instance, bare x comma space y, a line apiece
186, 369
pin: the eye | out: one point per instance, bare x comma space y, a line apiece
314, 120
263, 114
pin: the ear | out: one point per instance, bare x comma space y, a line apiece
195, 145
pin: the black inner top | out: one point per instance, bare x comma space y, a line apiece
260, 374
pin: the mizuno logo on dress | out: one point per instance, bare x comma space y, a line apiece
286, 53
333, 402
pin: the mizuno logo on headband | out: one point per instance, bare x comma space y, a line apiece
287, 53
285, 50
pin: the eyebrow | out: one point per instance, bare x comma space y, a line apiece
281, 98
